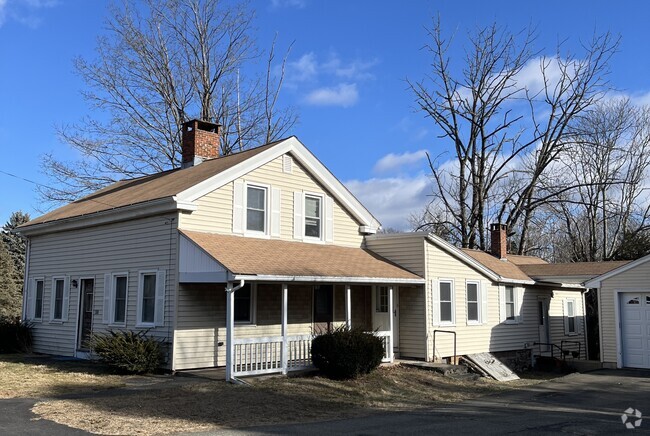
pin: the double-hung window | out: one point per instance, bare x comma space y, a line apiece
510, 303
58, 288
147, 298
473, 303
313, 216
38, 299
571, 326
446, 302
256, 209
120, 284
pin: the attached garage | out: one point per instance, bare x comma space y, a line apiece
635, 329
624, 313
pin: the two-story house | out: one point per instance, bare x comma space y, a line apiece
295, 252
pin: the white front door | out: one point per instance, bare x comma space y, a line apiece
544, 328
635, 329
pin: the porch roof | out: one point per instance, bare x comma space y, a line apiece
270, 259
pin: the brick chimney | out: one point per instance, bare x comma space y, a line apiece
200, 142
498, 240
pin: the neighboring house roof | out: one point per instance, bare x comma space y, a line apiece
504, 268
267, 258
573, 269
596, 281
179, 188
518, 259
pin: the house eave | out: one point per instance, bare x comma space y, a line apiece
326, 279
124, 213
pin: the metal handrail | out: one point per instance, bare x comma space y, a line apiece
560, 348
572, 342
434, 340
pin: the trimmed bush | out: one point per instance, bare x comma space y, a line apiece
346, 354
130, 352
15, 335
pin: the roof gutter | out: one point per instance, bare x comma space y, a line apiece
123, 213
326, 279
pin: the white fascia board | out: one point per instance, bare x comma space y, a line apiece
597, 281
567, 286
306, 158
326, 279
517, 281
123, 213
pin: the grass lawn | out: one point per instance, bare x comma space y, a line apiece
165, 404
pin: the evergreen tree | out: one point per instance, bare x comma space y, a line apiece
15, 245
10, 295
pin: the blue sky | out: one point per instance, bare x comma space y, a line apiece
346, 78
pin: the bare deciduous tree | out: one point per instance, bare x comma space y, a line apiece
495, 119
161, 64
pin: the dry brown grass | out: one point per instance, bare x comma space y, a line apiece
38, 377
189, 405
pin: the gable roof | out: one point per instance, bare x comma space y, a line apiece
289, 260
597, 281
183, 186
504, 268
572, 269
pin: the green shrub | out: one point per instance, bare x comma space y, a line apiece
15, 335
345, 354
131, 352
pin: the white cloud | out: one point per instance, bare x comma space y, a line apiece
354, 70
302, 70
395, 162
288, 4
24, 12
392, 200
343, 94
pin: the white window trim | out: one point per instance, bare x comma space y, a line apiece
138, 316
267, 210
576, 330
53, 299
321, 197
451, 323
253, 306
479, 302
515, 300
32, 300
113, 323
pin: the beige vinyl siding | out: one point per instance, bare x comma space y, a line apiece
404, 249
412, 322
492, 336
140, 244
214, 212
632, 280
556, 319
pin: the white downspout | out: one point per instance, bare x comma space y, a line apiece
230, 327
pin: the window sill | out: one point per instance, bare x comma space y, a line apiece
117, 325
145, 326
448, 324
311, 240
56, 321
259, 235
474, 323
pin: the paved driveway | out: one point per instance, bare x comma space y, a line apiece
580, 404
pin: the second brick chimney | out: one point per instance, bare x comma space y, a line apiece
201, 141
499, 243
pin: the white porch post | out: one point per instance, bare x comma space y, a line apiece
230, 330
348, 306
391, 317
285, 343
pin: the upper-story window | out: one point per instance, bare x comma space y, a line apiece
256, 209
313, 216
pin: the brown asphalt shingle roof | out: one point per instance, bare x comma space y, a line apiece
255, 256
148, 188
591, 269
504, 268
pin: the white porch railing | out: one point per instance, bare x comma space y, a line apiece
388, 352
255, 356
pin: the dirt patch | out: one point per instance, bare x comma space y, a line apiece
198, 406
38, 377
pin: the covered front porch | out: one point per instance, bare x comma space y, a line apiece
265, 320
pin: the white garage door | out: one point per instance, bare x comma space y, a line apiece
635, 329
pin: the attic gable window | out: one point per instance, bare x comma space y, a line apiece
256, 209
